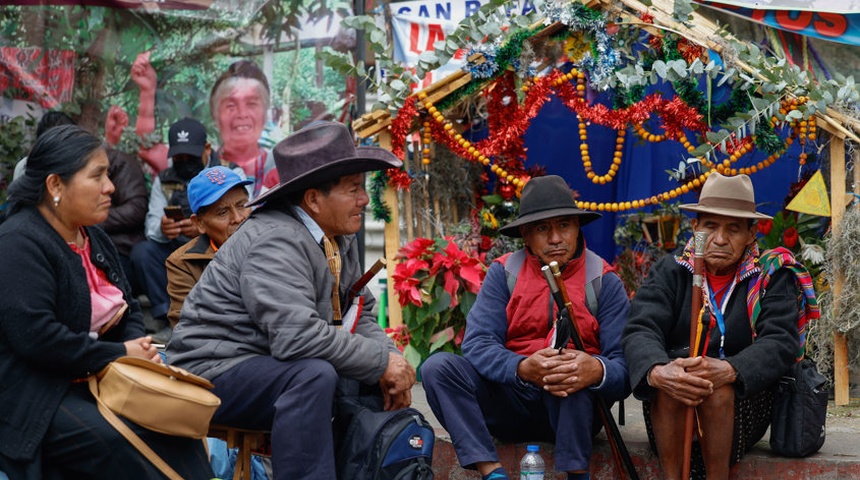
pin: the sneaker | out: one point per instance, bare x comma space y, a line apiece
162, 336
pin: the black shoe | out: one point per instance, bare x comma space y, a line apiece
162, 336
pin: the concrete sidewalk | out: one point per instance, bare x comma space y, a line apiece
838, 459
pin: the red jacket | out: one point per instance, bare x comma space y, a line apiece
529, 320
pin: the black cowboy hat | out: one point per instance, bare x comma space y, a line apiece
320, 152
546, 197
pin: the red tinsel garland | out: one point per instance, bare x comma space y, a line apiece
401, 125
509, 121
398, 179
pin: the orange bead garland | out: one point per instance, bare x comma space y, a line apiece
803, 130
448, 128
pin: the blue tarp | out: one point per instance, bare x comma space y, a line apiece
553, 142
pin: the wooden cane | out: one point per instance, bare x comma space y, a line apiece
699, 240
619, 448
364, 280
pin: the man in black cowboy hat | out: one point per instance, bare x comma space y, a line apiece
734, 377
510, 383
263, 321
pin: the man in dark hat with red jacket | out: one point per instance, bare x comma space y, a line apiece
263, 322
510, 383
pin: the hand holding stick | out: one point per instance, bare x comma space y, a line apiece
567, 329
699, 241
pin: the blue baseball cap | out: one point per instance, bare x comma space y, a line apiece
208, 186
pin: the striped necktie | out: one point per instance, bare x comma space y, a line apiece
334, 264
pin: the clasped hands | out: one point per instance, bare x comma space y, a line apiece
142, 347
561, 372
691, 380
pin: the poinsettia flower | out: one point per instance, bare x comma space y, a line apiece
765, 226
416, 249
448, 259
451, 285
789, 237
406, 282
486, 243
458, 340
472, 272
399, 335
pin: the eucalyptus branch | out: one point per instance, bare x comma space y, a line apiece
393, 84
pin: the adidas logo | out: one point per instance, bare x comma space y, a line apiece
182, 137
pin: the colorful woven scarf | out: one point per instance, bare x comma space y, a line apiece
771, 261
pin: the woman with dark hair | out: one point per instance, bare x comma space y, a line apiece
65, 313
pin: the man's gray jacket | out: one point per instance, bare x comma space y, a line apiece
268, 292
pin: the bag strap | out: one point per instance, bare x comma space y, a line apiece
593, 281
129, 434
512, 268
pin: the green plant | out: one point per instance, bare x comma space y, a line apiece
799, 232
437, 283
644, 238
15, 137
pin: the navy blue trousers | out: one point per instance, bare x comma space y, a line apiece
293, 399
474, 410
150, 273
81, 444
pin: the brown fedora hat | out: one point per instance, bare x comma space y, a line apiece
546, 197
321, 152
727, 196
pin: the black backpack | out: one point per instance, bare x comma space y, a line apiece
380, 445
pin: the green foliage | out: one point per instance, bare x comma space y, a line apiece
395, 86
644, 238
799, 232
14, 144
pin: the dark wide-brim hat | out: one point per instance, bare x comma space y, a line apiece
321, 152
543, 198
727, 196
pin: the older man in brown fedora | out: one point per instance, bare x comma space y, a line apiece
263, 323
731, 384
510, 382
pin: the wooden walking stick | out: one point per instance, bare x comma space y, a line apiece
567, 329
699, 240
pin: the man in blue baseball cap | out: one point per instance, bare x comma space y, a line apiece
217, 197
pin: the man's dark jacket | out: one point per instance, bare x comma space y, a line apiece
658, 328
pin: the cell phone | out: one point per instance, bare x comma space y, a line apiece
174, 212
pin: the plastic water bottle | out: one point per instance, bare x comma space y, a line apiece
532, 466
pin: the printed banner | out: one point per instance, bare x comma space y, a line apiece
31, 74
418, 24
828, 20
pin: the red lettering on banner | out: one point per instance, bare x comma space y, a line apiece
414, 31
831, 24
758, 15
435, 33
785, 20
